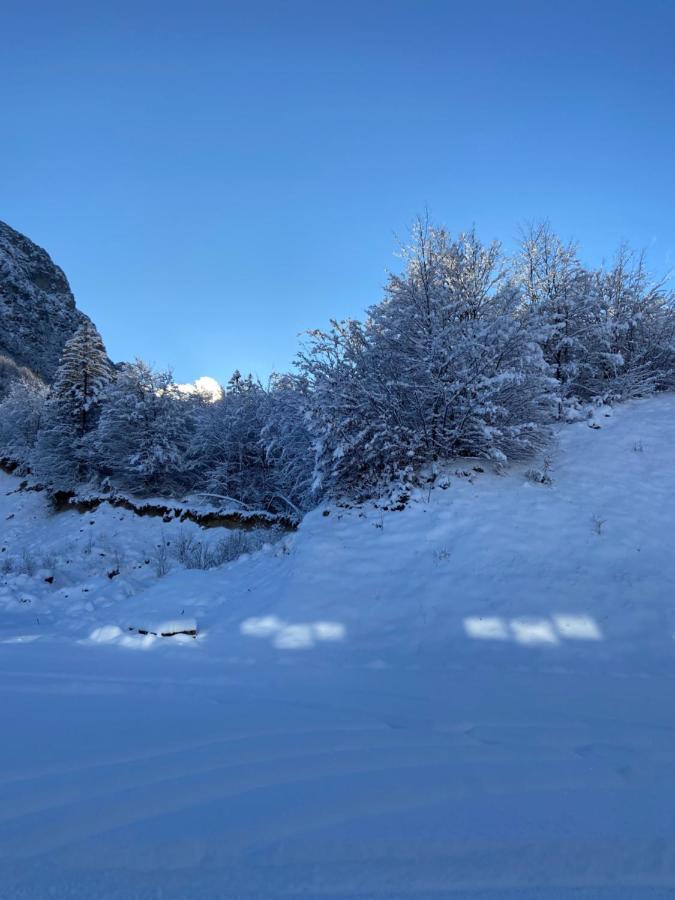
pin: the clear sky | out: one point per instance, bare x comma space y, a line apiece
217, 177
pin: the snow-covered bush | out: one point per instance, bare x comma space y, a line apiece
144, 433
161, 559
448, 364
28, 562
542, 475
195, 553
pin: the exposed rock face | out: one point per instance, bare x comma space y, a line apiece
37, 308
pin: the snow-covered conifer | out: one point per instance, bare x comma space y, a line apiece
63, 452
83, 373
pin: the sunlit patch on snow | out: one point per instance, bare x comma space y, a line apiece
138, 641
486, 629
530, 631
113, 634
293, 636
106, 634
21, 639
580, 628
264, 626
533, 631
329, 631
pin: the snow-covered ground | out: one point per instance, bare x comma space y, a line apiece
472, 696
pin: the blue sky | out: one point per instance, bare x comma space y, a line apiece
217, 177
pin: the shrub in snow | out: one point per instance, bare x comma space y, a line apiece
540, 476
161, 559
194, 553
28, 564
597, 524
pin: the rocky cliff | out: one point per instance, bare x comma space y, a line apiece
37, 308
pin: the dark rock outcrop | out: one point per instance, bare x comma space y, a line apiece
37, 308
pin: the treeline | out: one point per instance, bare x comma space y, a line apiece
469, 353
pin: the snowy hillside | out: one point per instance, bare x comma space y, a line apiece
470, 693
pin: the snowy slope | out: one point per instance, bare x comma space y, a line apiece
472, 696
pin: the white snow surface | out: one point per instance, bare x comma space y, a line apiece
470, 697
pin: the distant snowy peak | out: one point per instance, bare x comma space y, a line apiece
37, 308
205, 385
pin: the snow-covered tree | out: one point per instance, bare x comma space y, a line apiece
83, 374
144, 432
607, 333
62, 456
347, 417
231, 459
287, 444
21, 412
252, 446
63, 452
560, 295
638, 316
446, 365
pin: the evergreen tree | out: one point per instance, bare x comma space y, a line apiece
63, 452
84, 372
